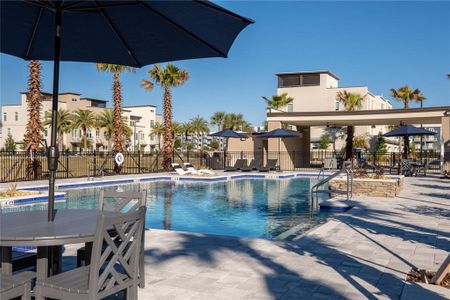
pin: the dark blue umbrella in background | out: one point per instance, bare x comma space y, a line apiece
280, 133
228, 133
131, 33
406, 131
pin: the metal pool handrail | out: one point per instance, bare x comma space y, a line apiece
349, 174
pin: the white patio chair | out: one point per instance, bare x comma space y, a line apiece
190, 168
177, 168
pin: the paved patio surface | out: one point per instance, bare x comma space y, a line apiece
361, 255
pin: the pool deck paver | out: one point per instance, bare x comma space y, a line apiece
363, 254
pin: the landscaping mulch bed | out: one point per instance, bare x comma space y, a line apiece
425, 276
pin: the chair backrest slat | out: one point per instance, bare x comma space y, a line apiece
122, 199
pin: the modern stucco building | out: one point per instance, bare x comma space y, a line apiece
316, 91
141, 119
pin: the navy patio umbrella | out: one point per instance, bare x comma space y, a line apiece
280, 133
406, 131
132, 33
228, 133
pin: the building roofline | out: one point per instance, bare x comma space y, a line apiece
131, 106
348, 87
93, 99
359, 112
69, 93
310, 72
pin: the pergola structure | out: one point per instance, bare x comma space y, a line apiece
304, 120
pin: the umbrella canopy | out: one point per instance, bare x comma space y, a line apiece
280, 133
408, 130
228, 133
132, 33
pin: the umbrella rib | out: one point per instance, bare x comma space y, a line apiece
40, 4
73, 4
179, 27
36, 24
118, 35
226, 11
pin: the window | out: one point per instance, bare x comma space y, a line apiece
89, 133
5, 118
290, 80
151, 110
45, 132
152, 123
74, 133
337, 103
9, 131
16, 116
97, 133
74, 99
290, 107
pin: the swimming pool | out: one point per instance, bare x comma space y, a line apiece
257, 208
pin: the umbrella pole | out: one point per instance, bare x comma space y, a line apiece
53, 152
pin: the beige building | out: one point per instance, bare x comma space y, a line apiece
140, 119
317, 91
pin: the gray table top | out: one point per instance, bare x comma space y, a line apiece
31, 228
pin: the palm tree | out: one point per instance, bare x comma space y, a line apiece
218, 119
84, 120
405, 95
33, 138
351, 102
158, 131
187, 130
63, 124
199, 127
236, 122
167, 77
117, 96
275, 102
106, 121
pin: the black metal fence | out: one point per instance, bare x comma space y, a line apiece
21, 165
296, 160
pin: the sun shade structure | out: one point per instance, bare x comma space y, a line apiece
228, 133
131, 33
407, 131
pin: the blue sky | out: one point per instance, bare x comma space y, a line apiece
379, 44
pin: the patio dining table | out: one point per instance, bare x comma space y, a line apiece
31, 228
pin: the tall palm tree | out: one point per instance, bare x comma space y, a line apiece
84, 120
277, 101
63, 124
351, 102
218, 119
33, 137
158, 131
119, 141
105, 121
199, 127
167, 77
405, 95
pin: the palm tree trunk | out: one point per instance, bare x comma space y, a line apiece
349, 143
118, 130
168, 133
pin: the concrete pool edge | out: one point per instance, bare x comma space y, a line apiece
83, 183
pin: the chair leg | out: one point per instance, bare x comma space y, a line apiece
141, 269
38, 294
26, 292
131, 292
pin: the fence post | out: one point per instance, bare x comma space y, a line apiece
94, 166
139, 161
67, 164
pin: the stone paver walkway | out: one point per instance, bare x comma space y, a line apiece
364, 254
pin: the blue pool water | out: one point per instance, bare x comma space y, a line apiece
262, 208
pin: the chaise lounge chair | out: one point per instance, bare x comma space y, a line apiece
240, 163
254, 165
177, 168
190, 168
270, 166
